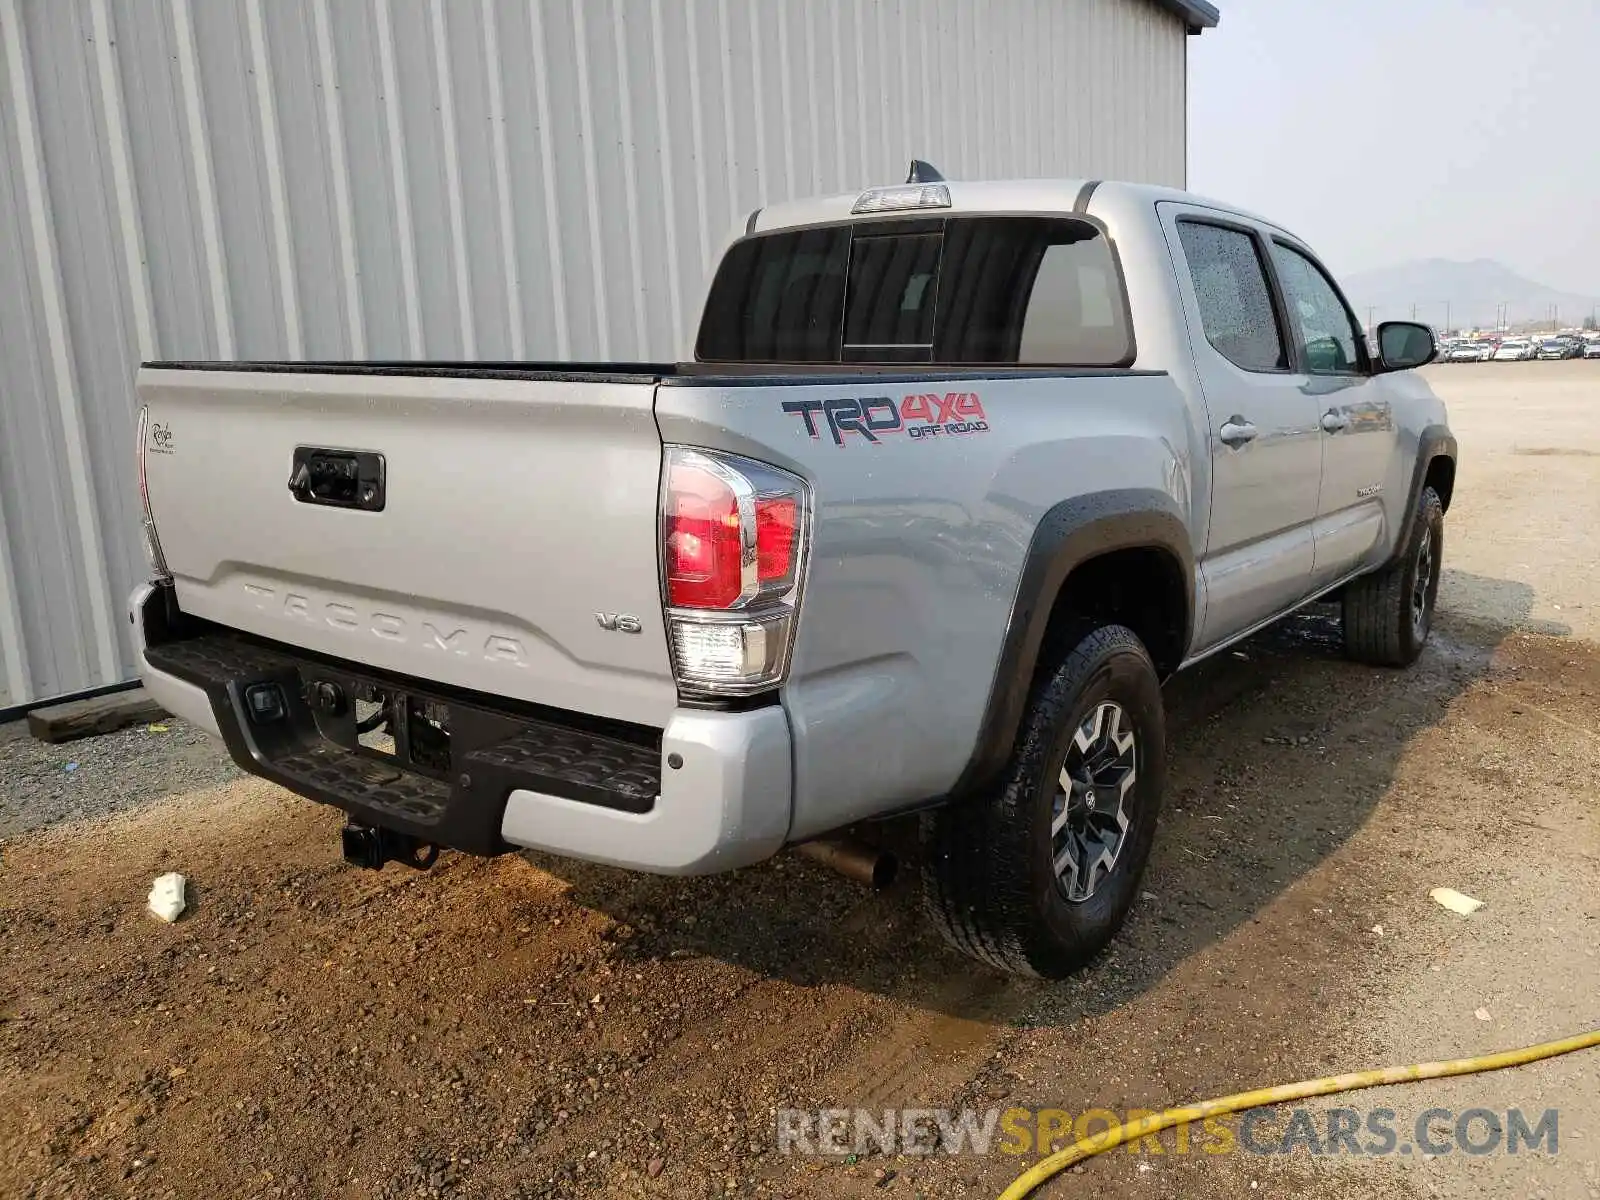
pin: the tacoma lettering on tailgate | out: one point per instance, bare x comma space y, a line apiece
446, 636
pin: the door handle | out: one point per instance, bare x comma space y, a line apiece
1236, 431
1333, 421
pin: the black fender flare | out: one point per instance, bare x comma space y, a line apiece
1436, 441
1067, 535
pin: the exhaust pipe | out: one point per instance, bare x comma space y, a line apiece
853, 859
371, 847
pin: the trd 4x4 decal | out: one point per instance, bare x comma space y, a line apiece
920, 416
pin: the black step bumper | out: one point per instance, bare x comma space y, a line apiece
293, 718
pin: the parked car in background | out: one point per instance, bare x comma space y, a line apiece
1591, 348
1555, 348
1471, 352
1514, 350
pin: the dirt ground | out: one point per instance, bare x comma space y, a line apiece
504, 1028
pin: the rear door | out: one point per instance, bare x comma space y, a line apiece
1359, 440
1266, 459
479, 529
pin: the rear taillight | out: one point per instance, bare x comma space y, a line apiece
702, 534
152, 544
734, 537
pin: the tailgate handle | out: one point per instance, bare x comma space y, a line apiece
338, 478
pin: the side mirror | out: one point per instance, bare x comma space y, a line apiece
1403, 345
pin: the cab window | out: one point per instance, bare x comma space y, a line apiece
1230, 286
1330, 341
973, 291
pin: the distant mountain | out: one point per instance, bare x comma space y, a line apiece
1473, 290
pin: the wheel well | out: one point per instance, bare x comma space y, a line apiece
1144, 588
1441, 477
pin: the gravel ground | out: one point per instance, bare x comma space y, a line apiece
41, 784
546, 1028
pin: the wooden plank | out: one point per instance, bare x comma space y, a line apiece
100, 714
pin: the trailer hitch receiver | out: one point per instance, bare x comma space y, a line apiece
370, 847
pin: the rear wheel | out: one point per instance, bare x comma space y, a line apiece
1388, 615
1037, 876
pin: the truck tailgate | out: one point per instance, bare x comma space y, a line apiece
514, 512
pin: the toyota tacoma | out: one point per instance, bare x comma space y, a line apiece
956, 476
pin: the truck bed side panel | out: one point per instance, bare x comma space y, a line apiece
919, 546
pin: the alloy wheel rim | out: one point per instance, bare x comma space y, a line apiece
1089, 814
1421, 584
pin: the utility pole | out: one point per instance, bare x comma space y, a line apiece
1413, 310
1447, 316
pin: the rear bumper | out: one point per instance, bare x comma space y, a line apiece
514, 777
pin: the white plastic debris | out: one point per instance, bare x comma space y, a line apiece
166, 896
1455, 901
1483, 1014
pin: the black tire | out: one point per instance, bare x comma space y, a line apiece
1388, 614
989, 876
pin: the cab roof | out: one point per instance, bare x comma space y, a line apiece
1044, 196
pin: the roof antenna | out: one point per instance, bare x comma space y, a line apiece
922, 172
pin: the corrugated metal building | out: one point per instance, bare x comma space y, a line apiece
455, 179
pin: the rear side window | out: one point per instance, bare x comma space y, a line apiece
961, 290
1230, 284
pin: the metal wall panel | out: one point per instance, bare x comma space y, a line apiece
453, 179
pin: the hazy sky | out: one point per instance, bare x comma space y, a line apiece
1383, 131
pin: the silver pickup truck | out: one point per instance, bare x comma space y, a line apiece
958, 475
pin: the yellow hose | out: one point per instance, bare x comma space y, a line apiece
1129, 1131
